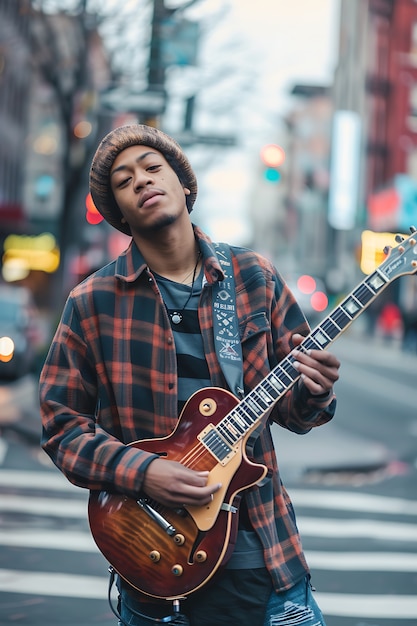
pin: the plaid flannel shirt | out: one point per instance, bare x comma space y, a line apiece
110, 379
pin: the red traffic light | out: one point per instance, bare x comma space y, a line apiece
93, 216
272, 155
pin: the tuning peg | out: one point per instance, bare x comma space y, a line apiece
399, 238
413, 229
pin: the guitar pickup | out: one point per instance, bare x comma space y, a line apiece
216, 445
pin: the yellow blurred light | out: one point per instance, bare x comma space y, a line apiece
45, 241
6, 349
32, 252
372, 253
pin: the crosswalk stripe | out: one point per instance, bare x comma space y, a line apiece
44, 506
53, 481
74, 541
362, 561
350, 501
53, 584
376, 529
382, 606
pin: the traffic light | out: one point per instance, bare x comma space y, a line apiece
272, 156
93, 216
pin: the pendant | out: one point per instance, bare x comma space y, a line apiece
176, 317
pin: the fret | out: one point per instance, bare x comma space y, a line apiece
240, 422
351, 306
262, 401
276, 382
321, 338
285, 375
250, 400
377, 281
364, 296
229, 431
264, 393
309, 344
241, 425
340, 318
330, 328
270, 388
383, 278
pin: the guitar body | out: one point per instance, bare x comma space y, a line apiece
178, 556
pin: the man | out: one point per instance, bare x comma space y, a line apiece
136, 340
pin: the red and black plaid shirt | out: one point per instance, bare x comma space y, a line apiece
110, 378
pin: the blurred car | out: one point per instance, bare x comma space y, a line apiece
20, 331
310, 293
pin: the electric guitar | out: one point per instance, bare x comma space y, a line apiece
169, 553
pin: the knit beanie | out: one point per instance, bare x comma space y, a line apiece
124, 137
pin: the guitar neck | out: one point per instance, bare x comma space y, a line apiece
249, 412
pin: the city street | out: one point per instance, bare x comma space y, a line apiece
352, 482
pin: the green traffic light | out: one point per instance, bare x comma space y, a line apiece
272, 175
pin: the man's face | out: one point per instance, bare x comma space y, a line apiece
146, 189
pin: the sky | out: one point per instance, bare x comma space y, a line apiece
251, 56
297, 39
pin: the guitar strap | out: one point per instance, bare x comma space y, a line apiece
225, 324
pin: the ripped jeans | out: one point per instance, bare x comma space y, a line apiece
294, 607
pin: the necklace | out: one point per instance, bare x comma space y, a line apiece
176, 316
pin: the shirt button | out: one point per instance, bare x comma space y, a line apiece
170, 385
169, 340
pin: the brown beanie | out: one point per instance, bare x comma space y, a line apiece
124, 137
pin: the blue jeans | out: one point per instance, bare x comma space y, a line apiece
294, 606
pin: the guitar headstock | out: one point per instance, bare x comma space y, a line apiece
402, 259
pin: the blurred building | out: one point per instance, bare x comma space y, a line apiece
51, 68
376, 86
307, 185
15, 70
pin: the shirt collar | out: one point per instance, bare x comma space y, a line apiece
131, 263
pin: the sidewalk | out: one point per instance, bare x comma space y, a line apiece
332, 447
19, 409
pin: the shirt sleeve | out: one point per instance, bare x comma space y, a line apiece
88, 455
